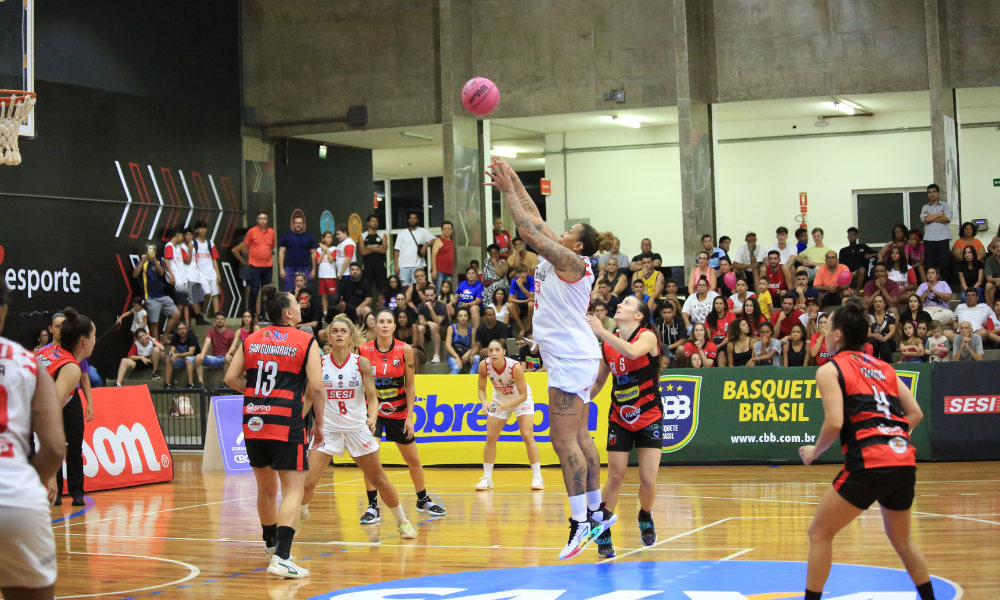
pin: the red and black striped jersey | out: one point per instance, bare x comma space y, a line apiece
635, 399
53, 358
276, 358
389, 370
875, 432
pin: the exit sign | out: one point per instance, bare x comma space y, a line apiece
546, 185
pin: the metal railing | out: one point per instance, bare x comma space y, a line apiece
183, 414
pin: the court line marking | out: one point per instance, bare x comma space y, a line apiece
740, 553
959, 517
153, 512
195, 571
670, 539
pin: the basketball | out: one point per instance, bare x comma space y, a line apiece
480, 96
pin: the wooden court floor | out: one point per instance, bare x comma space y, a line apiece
198, 537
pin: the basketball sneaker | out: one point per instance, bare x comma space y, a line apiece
428, 506
406, 530
371, 516
303, 517
485, 483
284, 567
269, 551
647, 533
537, 483
604, 516
604, 547
580, 536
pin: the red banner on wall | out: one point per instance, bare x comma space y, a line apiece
124, 446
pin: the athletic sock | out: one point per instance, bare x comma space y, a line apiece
422, 496
926, 591
303, 509
813, 595
578, 508
536, 469
285, 536
593, 500
397, 511
270, 532
645, 515
372, 498
487, 469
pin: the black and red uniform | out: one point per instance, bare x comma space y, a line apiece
636, 416
273, 425
879, 462
53, 358
389, 371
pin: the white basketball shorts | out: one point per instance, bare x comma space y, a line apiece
358, 443
571, 375
29, 552
525, 408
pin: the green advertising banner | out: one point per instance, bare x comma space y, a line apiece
759, 414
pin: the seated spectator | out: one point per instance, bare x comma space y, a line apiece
899, 237
138, 314
698, 305
354, 297
752, 315
811, 317
183, 344
529, 356
971, 273
700, 346
312, 313
749, 257
914, 312
495, 272
458, 344
143, 354
785, 250
664, 364
447, 295
672, 334
901, 273
696, 361
814, 256
367, 327
967, 237
475, 265
856, 257
249, 326
968, 345
739, 345
718, 322
669, 297
645, 247
803, 291
818, 354
923, 329
300, 283
521, 256
827, 281
739, 298
915, 254
651, 279
936, 347
724, 243
603, 293
521, 303
882, 329
408, 332
993, 326
43, 339
639, 291
433, 314
714, 253
881, 287
796, 349
766, 350
214, 353
415, 292
702, 271
620, 258
725, 266
393, 287
500, 300
779, 278
764, 298
402, 306
784, 319
936, 297
617, 280
992, 275
601, 312
973, 312
911, 347
490, 329
470, 295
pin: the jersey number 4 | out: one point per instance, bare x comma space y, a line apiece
882, 401
266, 374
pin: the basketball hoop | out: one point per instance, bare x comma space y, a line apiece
15, 106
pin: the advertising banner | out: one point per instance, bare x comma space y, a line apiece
228, 411
124, 445
758, 414
966, 411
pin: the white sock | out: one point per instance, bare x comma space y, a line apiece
487, 469
397, 511
593, 500
578, 508
304, 509
536, 469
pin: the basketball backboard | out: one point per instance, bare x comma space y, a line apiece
17, 51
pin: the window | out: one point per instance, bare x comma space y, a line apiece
435, 200
379, 209
407, 197
878, 211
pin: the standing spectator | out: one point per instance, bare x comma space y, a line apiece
779, 278
470, 295
972, 312
152, 276
714, 253
784, 319
295, 252
434, 316
881, 287
898, 240
672, 334
803, 291
603, 293
785, 250
766, 350
355, 294
490, 329
814, 256
646, 247
900, 272
992, 275
43, 339
138, 314
143, 354
501, 237
915, 254
616, 254
312, 313
196, 291
937, 346
521, 298
495, 272
764, 297
521, 256
936, 217
698, 305
652, 280
442, 264
936, 297
206, 256
176, 259
260, 242
702, 270
827, 280
214, 353
183, 344
410, 247
968, 344
240, 256
346, 253
882, 326
325, 262
856, 257
796, 351
749, 257
970, 273
617, 280
700, 346
725, 266
739, 297
967, 237
910, 346
373, 247
601, 312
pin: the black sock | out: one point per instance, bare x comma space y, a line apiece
813, 595
926, 591
270, 532
645, 515
422, 496
285, 535
373, 498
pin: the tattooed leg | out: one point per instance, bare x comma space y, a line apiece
565, 412
589, 449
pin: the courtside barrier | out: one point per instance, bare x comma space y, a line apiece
966, 411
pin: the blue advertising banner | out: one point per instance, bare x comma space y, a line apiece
228, 412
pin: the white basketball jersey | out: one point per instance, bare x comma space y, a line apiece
504, 387
19, 483
560, 321
346, 407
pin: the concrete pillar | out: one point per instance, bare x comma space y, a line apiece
694, 119
944, 140
461, 140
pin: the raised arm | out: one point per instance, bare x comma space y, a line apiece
529, 205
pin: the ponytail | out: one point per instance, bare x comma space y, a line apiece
594, 241
75, 327
275, 304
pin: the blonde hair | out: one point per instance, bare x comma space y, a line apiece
355, 340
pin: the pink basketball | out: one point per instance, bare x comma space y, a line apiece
844, 278
480, 96
730, 279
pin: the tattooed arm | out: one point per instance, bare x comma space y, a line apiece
529, 206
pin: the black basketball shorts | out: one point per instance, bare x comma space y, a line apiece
393, 429
892, 487
621, 439
280, 456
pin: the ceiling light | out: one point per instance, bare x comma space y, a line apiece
626, 121
844, 108
418, 136
406, 164
322, 150
504, 152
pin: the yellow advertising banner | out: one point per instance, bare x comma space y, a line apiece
451, 427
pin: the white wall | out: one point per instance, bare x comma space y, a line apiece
979, 158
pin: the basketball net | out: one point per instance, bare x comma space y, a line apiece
15, 106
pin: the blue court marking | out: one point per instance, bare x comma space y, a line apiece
155, 593
669, 580
88, 503
773, 467
209, 580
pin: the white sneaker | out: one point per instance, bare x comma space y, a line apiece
537, 483
406, 531
435, 360
580, 536
303, 517
269, 551
485, 483
286, 568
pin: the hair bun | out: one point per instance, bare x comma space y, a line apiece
70, 314
605, 241
270, 293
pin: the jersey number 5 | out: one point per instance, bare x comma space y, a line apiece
266, 374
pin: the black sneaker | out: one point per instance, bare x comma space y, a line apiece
78, 500
200, 384
647, 533
428, 506
603, 516
58, 501
371, 516
156, 376
167, 386
604, 547
190, 386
